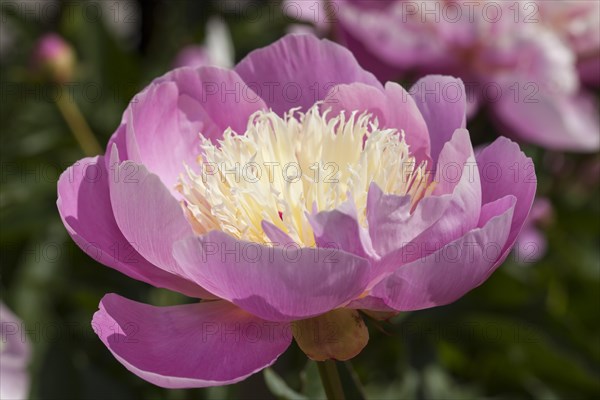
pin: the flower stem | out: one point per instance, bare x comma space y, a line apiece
331, 380
78, 125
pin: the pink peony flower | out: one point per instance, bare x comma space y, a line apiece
287, 193
14, 356
522, 59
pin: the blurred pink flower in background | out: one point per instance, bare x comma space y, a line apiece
577, 22
387, 208
217, 49
14, 357
53, 56
519, 58
532, 244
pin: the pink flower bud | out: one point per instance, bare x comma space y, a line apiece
54, 57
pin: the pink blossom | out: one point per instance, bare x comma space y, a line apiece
55, 57
15, 355
532, 244
524, 60
387, 208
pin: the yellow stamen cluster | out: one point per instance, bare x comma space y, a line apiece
282, 169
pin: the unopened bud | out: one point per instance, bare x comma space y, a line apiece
54, 57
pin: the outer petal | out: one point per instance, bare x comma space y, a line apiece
505, 170
163, 122
450, 212
298, 70
393, 107
148, 215
274, 283
194, 345
443, 103
447, 274
554, 121
85, 208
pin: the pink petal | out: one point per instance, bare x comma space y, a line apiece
447, 274
194, 345
560, 122
443, 104
276, 235
339, 229
450, 212
531, 246
393, 107
148, 215
365, 56
392, 34
85, 208
15, 353
275, 283
505, 170
299, 70
164, 121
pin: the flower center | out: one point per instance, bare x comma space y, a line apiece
282, 169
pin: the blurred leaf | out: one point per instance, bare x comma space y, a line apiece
279, 388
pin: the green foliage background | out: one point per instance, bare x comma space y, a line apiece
530, 332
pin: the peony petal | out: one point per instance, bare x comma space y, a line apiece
299, 70
278, 237
148, 215
387, 32
554, 121
443, 104
505, 170
194, 345
447, 214
447, 274
339, 229
164, 121
85, 208
275, 283
393, 107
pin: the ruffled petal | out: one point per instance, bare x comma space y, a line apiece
447, 274
505, 170
447, 214
86, 211
443, 103
194, 345
299, 70
148, 215
163, 122
340, 229
275, 283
